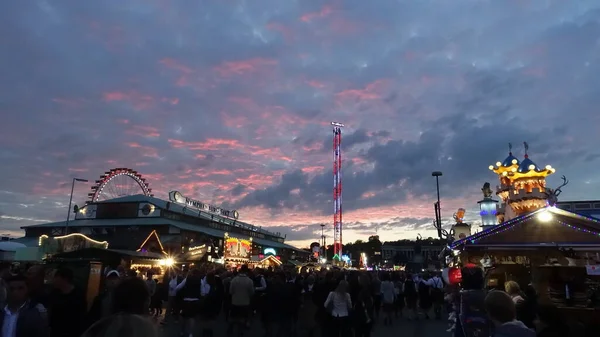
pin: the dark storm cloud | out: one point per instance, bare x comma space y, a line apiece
231, 101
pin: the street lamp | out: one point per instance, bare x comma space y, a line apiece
71, 200
438, 208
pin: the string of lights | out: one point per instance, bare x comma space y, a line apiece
577, 228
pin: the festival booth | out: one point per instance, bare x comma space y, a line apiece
268, 258
556, 251
532, 243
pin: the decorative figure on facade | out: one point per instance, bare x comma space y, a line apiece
554, 193
459, 215
487, 191
418, 244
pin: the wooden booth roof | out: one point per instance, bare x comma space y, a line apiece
547, 227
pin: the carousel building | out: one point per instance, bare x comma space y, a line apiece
180, 227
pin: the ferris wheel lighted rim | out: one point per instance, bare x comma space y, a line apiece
109, 176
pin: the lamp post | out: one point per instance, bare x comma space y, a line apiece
438, 207
71, 201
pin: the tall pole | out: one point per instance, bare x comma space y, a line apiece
438, 213
71, 201
337, 189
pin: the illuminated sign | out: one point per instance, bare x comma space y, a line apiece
269, 251
68, 243
197, 250
237, 248
176, 196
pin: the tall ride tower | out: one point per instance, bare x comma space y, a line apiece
337, 190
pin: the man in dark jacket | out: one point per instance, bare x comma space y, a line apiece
67, 311
22, 317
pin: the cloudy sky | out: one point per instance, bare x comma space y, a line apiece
230, 102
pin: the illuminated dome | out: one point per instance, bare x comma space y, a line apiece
510, 164
528, 169
510, 160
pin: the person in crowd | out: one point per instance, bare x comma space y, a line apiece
212, 298
436, 286
527, 313
411, 296
67, 311
501, 310
425, 302
388, 295
522, 304
151, 284
226, 277
4, 275
131, 296
321, 291
191, 290
338, 304
123, 325
172, 283
550, 323
241, 290
363, 308
398, 289
295, 288
156, 300
103, 302
260, 290
307, 316
376, 293
39, 290
22, 316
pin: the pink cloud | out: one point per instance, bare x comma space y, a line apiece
243, 67
145, 151
323, 13
143, 131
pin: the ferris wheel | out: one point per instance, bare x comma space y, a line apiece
119, 182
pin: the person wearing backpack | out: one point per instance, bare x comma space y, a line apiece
437, 294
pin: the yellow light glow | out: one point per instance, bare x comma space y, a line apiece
548, 167
168, 262
544, 216
514, 161
491, 167
498, 164
514, 169
532, 167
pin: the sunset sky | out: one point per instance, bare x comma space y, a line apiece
230, 102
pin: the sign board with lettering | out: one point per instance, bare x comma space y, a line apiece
177, 197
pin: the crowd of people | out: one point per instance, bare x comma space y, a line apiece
280, 302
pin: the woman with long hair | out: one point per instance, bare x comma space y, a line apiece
338, 304
122, 325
